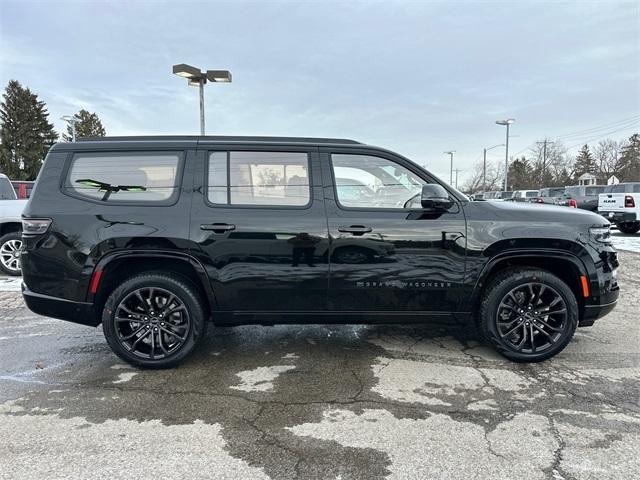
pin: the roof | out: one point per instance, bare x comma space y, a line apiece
586, 176
222, 139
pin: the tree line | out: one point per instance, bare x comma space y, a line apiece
547, 164
26, 134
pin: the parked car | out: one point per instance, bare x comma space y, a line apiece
23, 188
620, 204
154, 237
552, 196
525, 195
582, 196
10, 228
498, 196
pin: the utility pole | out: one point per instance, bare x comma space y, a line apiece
544, 160
450, 153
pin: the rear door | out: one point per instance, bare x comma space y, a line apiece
384, 257
259, 223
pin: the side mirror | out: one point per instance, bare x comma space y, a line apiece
435, 197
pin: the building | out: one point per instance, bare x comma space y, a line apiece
587, 179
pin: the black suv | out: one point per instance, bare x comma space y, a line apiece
155, 236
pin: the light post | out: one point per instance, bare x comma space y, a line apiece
484, 165
197, 78
506, 122
71, 120
450, 153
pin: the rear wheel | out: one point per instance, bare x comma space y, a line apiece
528, 315
629, 227
10, 246
154, 320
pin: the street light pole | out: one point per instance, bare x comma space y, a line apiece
195, 77
201, 106
506, 122
450, 153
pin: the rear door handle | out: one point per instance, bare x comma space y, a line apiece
355, 229
217, 227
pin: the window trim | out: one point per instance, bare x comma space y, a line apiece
207, 163
172, 200
387, 156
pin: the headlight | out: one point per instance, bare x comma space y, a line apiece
35, 226
601, 234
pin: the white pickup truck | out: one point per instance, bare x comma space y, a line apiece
620, 204
10, 228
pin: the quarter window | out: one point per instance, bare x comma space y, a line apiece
364, 181
124, 177
259, 178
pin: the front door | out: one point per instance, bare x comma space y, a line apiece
259, 223
385, 257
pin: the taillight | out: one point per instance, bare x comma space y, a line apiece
35, 226
629, 202
573, 203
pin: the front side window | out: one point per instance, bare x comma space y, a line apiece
364, 181
124, 177
259, 178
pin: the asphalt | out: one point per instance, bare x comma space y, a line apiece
283, 402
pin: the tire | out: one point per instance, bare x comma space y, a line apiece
629, 227
161, 334
9, 245
507, 321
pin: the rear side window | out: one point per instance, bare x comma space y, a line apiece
590, 191
124, 177
6, 189
532, 194
259, 178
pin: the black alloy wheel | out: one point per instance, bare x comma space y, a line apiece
528, 315
154, 320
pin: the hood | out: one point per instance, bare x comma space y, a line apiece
534, 213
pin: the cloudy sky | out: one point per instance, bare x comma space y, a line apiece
416, 77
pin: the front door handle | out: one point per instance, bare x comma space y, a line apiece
217, 227
355, 229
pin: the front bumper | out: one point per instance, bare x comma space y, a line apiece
619, 217
76, 312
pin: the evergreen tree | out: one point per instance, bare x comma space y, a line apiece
25, 132
88, 125
629, 165
520, 177
584, 163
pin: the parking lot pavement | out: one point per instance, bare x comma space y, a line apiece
321, 402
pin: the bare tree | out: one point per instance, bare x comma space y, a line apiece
475, 183
607, 157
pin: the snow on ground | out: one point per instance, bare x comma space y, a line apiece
629, 243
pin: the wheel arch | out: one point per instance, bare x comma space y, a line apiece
568, 266
8, 227
114, 268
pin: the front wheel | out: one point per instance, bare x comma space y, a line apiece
10, 246
154, 320
629, 227
528, 315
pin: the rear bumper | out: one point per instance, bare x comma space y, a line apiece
76, 312
619, 217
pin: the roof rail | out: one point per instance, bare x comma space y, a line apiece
219, 138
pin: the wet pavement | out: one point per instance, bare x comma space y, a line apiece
361, 402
